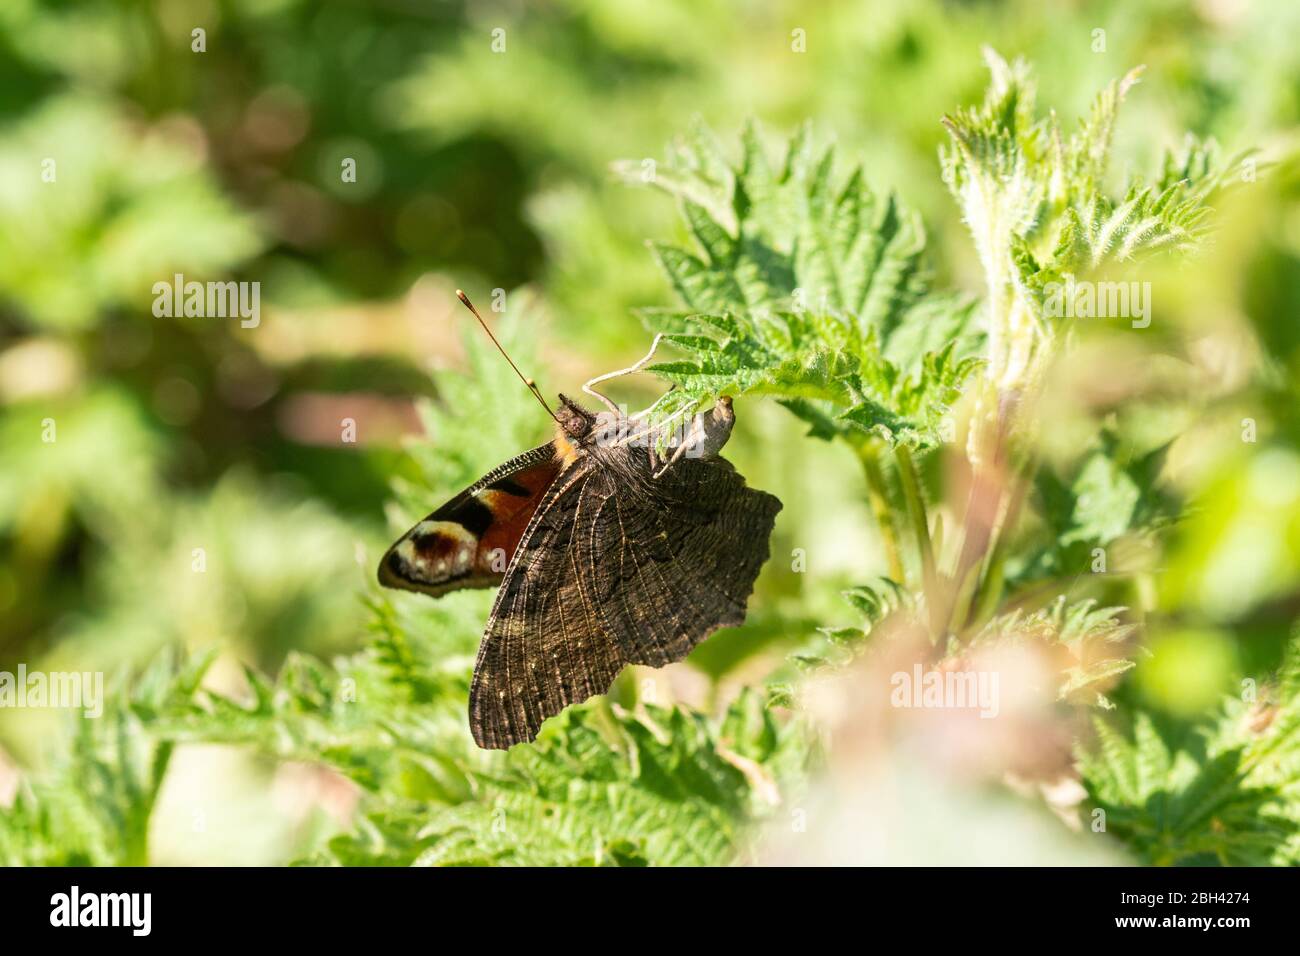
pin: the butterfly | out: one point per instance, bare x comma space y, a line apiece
606, 554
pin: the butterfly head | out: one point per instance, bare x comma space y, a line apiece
575, 420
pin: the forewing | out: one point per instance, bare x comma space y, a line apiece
543, 647
470, 541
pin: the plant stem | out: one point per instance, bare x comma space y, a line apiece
878, 496
992, 577
920, 525
979, 566
989, 588
136, 837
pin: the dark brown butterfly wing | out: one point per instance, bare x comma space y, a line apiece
607, 576
469, 541
538, 652
666, 574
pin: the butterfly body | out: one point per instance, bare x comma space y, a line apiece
605, 555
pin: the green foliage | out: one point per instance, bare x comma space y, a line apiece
603, 786
807, 289
792, 279
876, 601
1109, 492
1218, 791
1023, 186
1038, 207
70, 469
1099, 645
93, 807
130, 213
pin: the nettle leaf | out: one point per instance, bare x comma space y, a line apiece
1109, 493
876, 600
1096, 644
806, 286
92, 807
1145, 219
1216, 791
601, 786
1171, 213
1019, 182
912, 410
1038, 206
1001, 163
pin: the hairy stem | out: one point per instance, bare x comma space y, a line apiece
920, 527
992, 578
878, 497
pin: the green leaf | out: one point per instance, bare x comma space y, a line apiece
810, 290
600, 787
1038, 209
1098, 643
1219, 790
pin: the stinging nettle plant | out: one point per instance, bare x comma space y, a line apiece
807, 286
1037, 204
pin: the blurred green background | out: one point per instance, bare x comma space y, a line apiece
483, 161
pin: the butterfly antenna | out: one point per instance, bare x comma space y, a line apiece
532, 386
631, 369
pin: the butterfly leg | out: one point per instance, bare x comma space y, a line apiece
631, 369
705, 434
689, 439
650, 432
677, 454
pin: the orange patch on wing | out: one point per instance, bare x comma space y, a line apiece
497, 547
511, 513
470, 540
